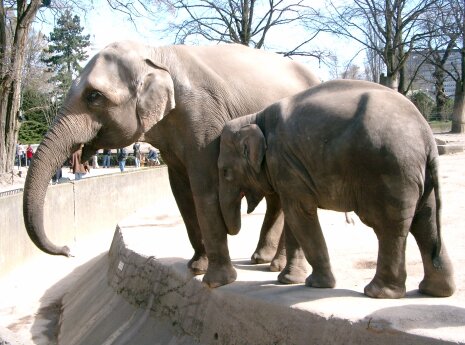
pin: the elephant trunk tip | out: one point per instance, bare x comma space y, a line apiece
65, 251
233, 231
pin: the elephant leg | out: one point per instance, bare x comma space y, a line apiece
214, 233
220, 269
181, 189
279, 261
438, 281
302, 220
270, 232
297, 268
389, 280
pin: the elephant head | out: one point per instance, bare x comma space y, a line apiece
121, 93
241, 172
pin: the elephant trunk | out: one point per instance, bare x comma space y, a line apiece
230, 204
60, 142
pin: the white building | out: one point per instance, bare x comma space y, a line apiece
424, 79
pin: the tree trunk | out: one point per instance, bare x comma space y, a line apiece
458, 116
10, 82
441, 97
392, 81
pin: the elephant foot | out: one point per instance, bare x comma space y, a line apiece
321, 280
293, 274
218, 275
263, 255
444, 287
278, 263
198, 264
439, 277
378, 290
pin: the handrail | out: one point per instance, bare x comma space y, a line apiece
11, 192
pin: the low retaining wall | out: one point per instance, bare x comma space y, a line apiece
76, 209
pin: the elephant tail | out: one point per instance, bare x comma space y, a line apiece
432, 169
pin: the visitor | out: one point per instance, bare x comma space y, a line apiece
19, 154
106, 158
122, 156
57, 176
95, 160
79, 169
29, 154
153, 157
136, 148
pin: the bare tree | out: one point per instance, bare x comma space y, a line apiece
445, 53
458, 23
374, 63
353, 72
246, 22
439, 48
34, 75
390, 29
16, 18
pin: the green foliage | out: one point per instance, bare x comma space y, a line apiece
35, 116
448, 109
32, 132
424, 103
67, 48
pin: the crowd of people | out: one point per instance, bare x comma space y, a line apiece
24, 156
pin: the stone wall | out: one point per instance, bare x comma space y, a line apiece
76, 209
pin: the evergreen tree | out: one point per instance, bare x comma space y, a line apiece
67, 48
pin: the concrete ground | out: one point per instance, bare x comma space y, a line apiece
142, 293
147, 266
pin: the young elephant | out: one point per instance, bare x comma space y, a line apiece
344, 146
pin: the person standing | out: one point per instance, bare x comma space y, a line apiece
95, 160
153, 157
29, 154
136, 148
79, 169
57, 176
19, 154
122, 156
106, 158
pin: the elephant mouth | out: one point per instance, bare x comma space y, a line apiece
253, 199
89, 150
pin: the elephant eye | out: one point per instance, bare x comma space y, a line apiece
227, 174
94, 97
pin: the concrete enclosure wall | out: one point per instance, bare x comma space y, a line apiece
76, 209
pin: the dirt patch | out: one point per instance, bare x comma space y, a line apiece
365, 264
48, 316
13, 179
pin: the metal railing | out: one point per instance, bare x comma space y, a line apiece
11, 192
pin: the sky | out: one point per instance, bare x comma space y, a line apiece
106, 26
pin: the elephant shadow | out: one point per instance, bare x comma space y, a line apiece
246, 265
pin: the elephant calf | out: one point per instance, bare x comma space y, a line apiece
344, 146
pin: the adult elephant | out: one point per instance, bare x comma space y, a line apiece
177, 98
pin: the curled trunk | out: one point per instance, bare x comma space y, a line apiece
59, 143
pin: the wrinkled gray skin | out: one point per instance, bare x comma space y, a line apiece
344, 146
177, 98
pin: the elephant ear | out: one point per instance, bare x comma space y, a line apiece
253, 145
155, 96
